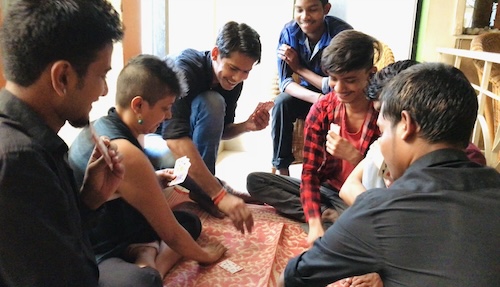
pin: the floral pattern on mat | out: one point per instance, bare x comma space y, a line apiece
263, 254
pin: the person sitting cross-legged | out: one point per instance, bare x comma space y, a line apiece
137, 224
437, 223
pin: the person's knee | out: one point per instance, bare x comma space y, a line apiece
190, 222
210, 103
148, 276
117, 272
255, 182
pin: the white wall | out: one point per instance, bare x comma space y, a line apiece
443, 22
195, 23
390, 21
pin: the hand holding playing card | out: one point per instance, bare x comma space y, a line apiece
101, 146
165, 176
181, 169
259, 119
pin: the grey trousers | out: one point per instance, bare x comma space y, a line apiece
283, 193
116, 272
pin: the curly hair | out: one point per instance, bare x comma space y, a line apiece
382, 77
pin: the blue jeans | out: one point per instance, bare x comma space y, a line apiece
208, 110
284, 113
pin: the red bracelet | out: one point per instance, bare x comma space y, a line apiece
218, 198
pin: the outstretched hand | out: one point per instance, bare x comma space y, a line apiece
236, 209
101, 178
214, 252
259, 119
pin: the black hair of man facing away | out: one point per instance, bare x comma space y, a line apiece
437, 224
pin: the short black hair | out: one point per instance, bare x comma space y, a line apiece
149, 77
36, 33
438, 97
348, 51
239, 37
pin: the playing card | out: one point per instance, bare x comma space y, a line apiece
335, 128
100, 146
268, 105
230, 266
376, 154
378, 160
181, 168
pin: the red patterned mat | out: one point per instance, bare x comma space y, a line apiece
263, 254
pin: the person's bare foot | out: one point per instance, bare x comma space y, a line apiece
366, 280
329, 215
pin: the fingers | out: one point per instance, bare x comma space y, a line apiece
261, 120
236, 209
249, 222
242, 218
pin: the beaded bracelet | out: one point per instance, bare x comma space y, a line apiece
218, 198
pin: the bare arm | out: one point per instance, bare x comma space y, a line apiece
291, 58
310, 76
315, 230
302, 93
141, 189
257, 121
232, 206
352, 186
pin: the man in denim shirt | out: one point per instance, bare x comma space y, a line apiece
300, 47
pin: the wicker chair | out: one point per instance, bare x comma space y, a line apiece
490, 42
386, 58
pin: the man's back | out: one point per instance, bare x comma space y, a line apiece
439, 226
435, 226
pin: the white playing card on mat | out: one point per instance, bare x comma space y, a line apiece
230, 266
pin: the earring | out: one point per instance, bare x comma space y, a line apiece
140, 121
